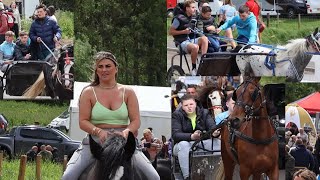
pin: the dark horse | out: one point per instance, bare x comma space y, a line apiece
113, 160
250, 138
59, 80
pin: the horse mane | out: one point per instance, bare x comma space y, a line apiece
204, 92
294, 48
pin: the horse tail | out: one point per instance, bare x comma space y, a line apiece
37, 88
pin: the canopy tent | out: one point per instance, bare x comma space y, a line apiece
310, 103
299, 116
154, 106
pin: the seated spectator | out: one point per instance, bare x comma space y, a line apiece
209, 27
181, 30
32, 153
22, 51
151, 145
302, 156
55, 155
187, 124
46, 155
6, 51
304, 174
230, 104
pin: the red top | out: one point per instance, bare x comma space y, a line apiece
254, 8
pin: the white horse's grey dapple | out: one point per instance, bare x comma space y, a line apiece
289, 61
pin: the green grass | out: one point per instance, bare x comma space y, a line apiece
282, 30
28, 112
49, 170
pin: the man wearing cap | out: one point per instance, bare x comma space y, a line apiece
3, 23
44, 32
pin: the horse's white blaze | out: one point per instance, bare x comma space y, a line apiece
67, 68
119, 173
215, 99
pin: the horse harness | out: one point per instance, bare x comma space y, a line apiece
250, 111
213, 107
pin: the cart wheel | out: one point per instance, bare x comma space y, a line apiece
173, 73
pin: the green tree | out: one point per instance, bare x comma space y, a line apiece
296, 91
134, 30
60, 4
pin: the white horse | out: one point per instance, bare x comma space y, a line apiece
289, 61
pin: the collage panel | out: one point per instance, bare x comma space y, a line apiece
302, 128
220, 121
37, 60
200, 44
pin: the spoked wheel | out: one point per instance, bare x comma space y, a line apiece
173, 73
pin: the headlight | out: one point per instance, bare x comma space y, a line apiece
300, 1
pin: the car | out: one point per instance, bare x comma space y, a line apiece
290, 8
62, 122
21, 138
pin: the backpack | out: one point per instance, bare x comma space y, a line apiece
10, 19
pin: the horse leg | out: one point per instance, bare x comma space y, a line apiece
245, 173
273, 174
228, 162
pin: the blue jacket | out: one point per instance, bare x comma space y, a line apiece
46, 29
247, 28
6, 51
303, 157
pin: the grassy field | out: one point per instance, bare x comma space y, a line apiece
28, 112
282, 30
49, 171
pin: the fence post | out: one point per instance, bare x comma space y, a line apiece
65, 161
1, 159
38, 167
22, 168
299, 21
268, 19
278, 19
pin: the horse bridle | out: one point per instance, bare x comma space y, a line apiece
313, 42
213, 107
249, 109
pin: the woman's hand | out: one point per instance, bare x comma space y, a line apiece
102, 136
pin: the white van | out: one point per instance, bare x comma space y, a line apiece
313, 6
61, 122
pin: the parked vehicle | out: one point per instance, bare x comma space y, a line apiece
291, 8
21, 138
313, 6
62, 122
171, 4
214, 5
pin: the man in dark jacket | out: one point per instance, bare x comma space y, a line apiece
302, 156
44, 32
187, 124
32, 153
22, 51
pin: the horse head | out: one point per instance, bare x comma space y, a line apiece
65, 66
314, 40
249, 100
217, 99
113, 158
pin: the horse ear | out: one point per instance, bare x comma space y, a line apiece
95, 148
316, 31
130, 146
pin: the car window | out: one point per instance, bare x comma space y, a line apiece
39, 134
65, 114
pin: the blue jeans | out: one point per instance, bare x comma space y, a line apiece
242, 39
215, 44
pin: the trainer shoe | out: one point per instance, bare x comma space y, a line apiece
194, 72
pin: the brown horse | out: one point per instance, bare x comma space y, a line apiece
249, 138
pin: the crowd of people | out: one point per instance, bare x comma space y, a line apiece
36, 44
47, 152
190, 119
194, 31
300, 153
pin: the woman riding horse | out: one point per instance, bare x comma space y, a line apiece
105, 107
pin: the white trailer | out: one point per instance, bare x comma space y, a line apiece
154, 108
